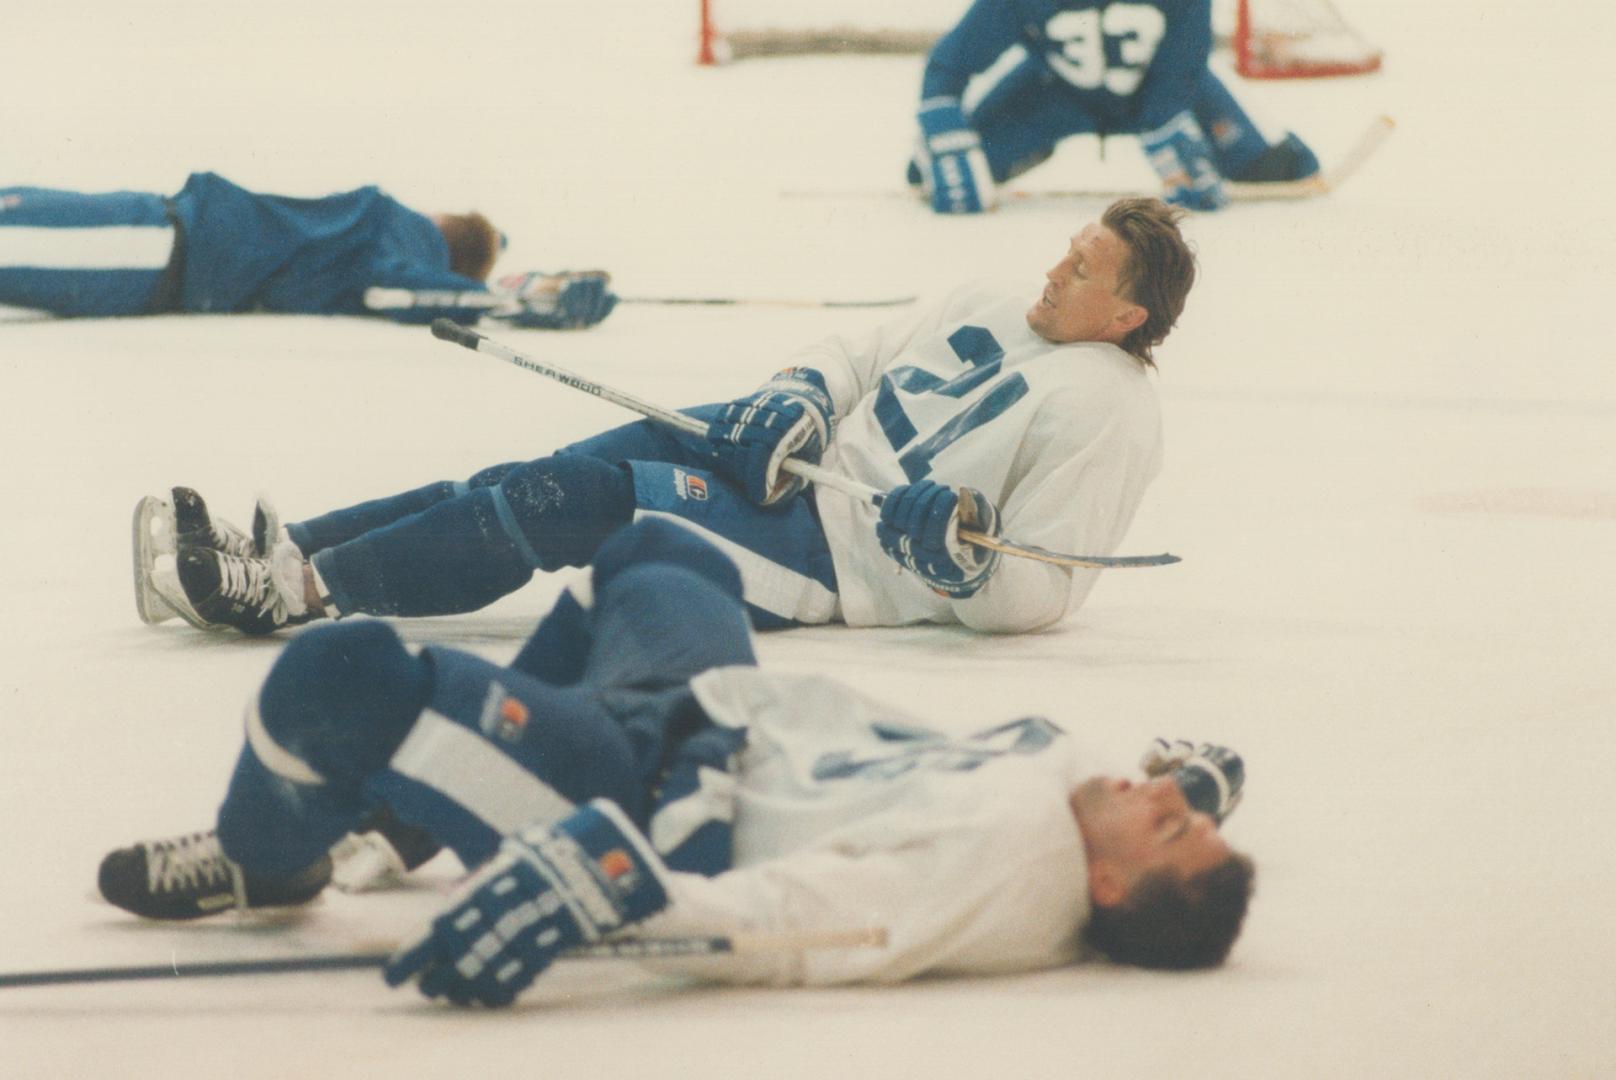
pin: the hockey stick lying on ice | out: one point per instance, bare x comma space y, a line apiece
383, 299
449, 330
1321, 183
624, 949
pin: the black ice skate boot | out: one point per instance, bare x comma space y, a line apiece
195, 527
187, 877
241, 591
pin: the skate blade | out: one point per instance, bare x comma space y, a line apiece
153, 536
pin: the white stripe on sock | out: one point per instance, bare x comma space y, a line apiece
462, 765
113, 247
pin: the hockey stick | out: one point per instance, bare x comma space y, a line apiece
449, 330
1321, 183
378, 298
625, 949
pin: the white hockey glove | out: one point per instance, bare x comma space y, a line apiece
570, 300
1211, 777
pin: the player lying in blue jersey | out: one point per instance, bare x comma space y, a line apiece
1135, 67
634, 767
217, 247
1034, 412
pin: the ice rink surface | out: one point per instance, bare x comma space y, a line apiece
1391, 472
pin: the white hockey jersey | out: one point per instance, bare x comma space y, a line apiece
1063, 438
849, 815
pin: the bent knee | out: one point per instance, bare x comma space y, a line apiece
341, 698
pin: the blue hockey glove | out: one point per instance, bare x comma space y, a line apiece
791, 415
570, 300
1180, 154
550, 887
919, 527
953, 169
1211, 777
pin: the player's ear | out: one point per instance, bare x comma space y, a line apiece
1131, 318
1108, 885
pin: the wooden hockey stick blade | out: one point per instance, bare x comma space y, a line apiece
741, 301
1324, 182
1093, 562
449, 330
622, 949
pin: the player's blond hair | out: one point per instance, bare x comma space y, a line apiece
1159, 272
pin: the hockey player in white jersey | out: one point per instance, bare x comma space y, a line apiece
1036, 422
633, 767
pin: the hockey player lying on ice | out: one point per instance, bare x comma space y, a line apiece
1042, 420
217, 247
633, 767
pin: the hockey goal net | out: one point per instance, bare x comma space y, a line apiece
1297, 39
1271, 39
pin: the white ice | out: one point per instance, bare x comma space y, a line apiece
1389, 422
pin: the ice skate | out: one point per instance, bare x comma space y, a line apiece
162, 527
187, 877
239, 591
158, 594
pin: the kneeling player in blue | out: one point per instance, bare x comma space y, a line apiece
1088, 67
634, 767
217, 247
1034, 422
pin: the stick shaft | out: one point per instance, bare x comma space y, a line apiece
623, 949
477, 342
379, 298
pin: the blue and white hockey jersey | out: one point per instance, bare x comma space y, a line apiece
1133, 64
849, 814
1064, 439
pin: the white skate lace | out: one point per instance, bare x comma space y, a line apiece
230, 540
193, 862
250, 581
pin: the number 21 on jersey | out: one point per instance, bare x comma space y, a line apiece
983, 356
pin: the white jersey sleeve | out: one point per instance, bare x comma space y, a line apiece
1063, 438
850, 815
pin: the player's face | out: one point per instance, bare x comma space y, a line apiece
1081, 301
1131, 829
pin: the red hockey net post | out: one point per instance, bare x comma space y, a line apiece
1298, 39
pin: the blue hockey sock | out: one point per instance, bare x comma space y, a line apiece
331, 712
464, 553
1236, 143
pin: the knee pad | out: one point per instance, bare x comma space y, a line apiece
562, 508
338, 701
657, 540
